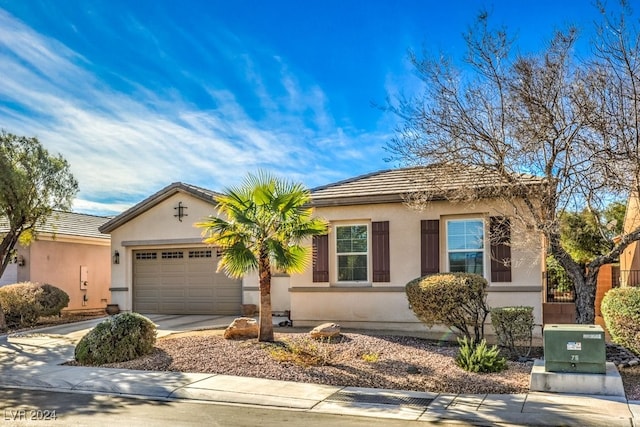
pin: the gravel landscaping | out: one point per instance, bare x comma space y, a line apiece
352, 360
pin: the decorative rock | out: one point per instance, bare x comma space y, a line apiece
413, 370
242, 327
326, 330
620, 356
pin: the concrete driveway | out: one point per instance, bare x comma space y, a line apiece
56, 344
166, 323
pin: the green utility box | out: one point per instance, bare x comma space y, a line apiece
574, 348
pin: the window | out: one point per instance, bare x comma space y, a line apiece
200, 254
146, 255
465, 246
172, 255
352, 252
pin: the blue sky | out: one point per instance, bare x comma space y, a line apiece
140, 94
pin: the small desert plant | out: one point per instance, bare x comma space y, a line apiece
456, 300
371, 357
621, 312
305, 351
478, 357
52, 300
514, 328
122, 337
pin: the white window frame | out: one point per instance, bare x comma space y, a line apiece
338, 254
484, 242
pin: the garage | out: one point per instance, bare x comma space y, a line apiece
183, 281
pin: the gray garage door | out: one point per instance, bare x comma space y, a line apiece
182, 281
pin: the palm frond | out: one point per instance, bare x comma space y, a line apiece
264, 212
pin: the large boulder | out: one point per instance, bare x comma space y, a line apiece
242, 327
326, 330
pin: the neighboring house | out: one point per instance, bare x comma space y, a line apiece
630, 257
376, 244
70, 253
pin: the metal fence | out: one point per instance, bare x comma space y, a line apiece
558, 291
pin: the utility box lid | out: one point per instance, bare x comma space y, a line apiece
574, 348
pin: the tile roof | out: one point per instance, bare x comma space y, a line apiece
385, 186
393, 185
70, 224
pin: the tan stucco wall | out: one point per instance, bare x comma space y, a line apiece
375, 305
156, 227
280, 301
58, 262
318, 302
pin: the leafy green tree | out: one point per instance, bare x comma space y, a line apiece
261, 224
32, 184
585, 235
588, 234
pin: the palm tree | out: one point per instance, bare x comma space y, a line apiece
261, 224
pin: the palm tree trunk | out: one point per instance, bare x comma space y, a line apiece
265, 332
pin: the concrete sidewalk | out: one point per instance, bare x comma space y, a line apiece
33, 360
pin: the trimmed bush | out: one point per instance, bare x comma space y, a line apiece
456, 300
479, 357
52, 300
621, 312
514, 329
21, 304
122, 337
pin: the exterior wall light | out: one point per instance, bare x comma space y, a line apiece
116, 257
20, 261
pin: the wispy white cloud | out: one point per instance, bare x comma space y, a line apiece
124, 145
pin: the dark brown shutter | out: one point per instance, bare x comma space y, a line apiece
380, 251
429, 246
500, 237
321, 258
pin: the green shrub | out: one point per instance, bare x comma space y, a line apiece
456, 300
479, 357
52, 300
621, 312
514, 329
122, 337
21, 304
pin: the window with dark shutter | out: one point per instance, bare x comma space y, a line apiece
500, 237
429, 246
321, 258
380, 251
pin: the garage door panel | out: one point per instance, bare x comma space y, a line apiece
172, 293
145, 282
230, 292
147, 293
183, 281
201, 292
